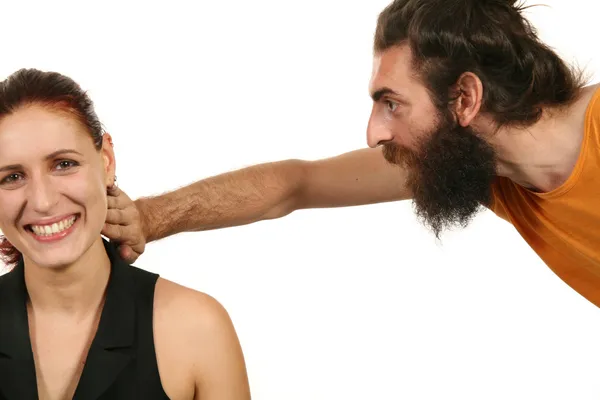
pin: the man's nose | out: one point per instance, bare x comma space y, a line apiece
377, 132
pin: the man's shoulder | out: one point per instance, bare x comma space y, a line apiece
587, 106
502, 191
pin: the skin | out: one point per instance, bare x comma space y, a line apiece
66, 279
539, 158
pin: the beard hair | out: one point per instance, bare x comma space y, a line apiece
450, 175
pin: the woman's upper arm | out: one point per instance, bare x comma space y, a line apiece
198, 351
218, 361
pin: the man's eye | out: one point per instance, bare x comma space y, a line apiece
391, 105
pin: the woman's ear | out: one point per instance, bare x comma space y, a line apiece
108, 157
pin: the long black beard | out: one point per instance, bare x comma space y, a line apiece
450, 176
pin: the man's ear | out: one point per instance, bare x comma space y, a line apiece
469, 95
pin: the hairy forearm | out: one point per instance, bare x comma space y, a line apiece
259, 192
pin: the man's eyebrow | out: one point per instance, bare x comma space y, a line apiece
378, 94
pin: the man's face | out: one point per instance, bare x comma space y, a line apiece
451, 167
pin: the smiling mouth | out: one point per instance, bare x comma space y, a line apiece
55, 229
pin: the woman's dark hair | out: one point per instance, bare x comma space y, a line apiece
490, 38
57, 93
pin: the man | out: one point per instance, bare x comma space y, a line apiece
470, 109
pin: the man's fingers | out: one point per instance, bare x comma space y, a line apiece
121, 201
117, 217
113, 190
117, 233
122, 224
138, 247
128, 254
112, 202
113, 232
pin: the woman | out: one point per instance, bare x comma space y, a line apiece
75, 320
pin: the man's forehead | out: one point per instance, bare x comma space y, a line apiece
391, 68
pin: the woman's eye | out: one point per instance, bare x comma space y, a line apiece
64, 164
11, 178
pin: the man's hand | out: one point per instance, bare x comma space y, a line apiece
124, 225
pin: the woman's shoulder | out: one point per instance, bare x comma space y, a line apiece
186, 306
192, 330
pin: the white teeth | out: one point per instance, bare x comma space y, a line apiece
45, 230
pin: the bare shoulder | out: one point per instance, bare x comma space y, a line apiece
197, 348
173, 297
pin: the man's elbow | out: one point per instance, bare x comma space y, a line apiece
292, 181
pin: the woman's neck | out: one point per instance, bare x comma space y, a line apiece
73, 291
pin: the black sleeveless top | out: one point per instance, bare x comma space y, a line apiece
121, 363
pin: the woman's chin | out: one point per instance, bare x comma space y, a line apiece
51, 261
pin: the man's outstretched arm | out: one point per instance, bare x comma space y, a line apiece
252, 194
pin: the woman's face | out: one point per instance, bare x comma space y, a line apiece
52, 185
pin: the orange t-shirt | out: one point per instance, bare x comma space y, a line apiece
563, 226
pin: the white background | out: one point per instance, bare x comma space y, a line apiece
354, 303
